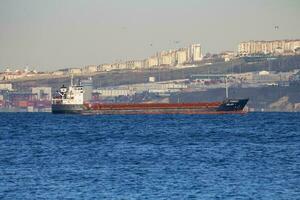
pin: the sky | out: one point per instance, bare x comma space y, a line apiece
47, 35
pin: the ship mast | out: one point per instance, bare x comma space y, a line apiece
221, 76
71, 79
226, 86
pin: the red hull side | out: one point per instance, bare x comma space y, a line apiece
184, 112
145, 106
159, 108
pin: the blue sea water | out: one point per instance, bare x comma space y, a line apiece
253, 156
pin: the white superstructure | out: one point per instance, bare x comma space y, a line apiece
69, 96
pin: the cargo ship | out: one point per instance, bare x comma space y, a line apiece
70, 101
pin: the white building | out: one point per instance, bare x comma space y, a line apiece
6, 86
268, 47
43, 93
106, 92
90, 69
75, 71
182, 56
58, 73
105, 67
153, 61
195, 52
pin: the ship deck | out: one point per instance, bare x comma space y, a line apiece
146, 106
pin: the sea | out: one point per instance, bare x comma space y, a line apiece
251, 156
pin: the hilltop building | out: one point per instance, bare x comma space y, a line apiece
227, 55
281, 47
105, 67
195, 53
182, 56
90, 69
6, 86
75, 71
153, 61
170, 58
167, 58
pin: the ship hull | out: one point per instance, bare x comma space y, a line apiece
160, 111
67, 109
229, 106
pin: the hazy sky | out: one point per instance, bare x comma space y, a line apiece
54, 34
